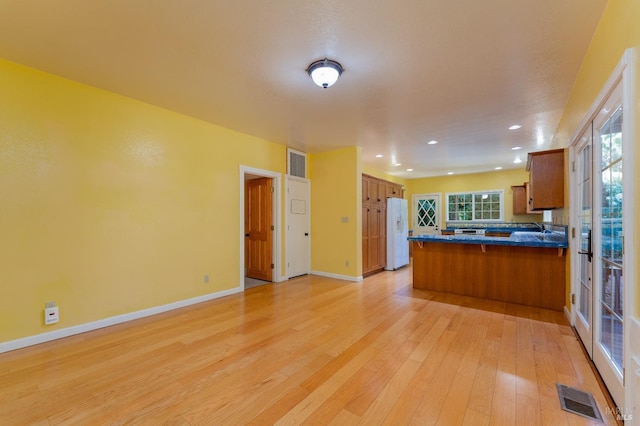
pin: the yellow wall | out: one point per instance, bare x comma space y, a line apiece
109, 205
336, 194
502, 179
617, 31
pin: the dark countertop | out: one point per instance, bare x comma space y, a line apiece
518, 239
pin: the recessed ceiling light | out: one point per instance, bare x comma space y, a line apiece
498, 168
515, 127
432, 142
379, 156
449, 173
515, 148
397, 164
517, 160
409, 170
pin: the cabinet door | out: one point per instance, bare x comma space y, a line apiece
366, 261
392, 190
382, 244
546, 179
374, 237
527, 191
381, 197
366, 189
519, 199
374, 188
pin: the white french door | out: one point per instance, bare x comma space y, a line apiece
426, 214
599, 282
584, 288
608, 350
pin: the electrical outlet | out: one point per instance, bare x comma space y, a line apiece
346, 263
205, 279
51, 313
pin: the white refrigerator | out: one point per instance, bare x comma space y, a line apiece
397, 234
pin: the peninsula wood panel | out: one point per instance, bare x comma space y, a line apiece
533, 276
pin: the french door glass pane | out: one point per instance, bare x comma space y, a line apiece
611, 239
584, 306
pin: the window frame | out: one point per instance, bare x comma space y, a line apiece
472, 195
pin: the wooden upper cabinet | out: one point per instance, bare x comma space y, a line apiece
394, 191
520, 198
366, 181
381, 197
546, 179
376, 191
374, 187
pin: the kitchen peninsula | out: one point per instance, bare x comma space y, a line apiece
526, 268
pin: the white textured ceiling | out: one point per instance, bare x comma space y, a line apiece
459, 72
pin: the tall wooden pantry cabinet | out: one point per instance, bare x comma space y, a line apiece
374, 221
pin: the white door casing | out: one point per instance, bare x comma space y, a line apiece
246, 171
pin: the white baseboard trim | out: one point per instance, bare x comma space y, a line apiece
94, 325
568, 315
337, 276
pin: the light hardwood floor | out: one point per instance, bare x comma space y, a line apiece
311, 350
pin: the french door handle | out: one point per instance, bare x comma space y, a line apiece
588, 253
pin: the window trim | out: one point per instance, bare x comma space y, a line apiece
500, 192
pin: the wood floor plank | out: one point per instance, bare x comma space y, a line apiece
311, 350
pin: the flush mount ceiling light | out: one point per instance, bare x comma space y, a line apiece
325, 72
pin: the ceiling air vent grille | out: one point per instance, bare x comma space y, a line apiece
297, 164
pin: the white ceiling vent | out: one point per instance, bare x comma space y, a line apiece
296, 163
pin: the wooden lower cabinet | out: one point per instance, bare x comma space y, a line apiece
533, 276
374, 238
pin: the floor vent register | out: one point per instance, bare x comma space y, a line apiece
578, 402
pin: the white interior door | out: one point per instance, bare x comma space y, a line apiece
297, 226
426, 214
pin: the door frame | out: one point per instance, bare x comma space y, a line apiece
626, 73
276, 275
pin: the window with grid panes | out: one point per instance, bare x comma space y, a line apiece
479, 206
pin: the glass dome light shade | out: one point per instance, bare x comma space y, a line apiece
325, 72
